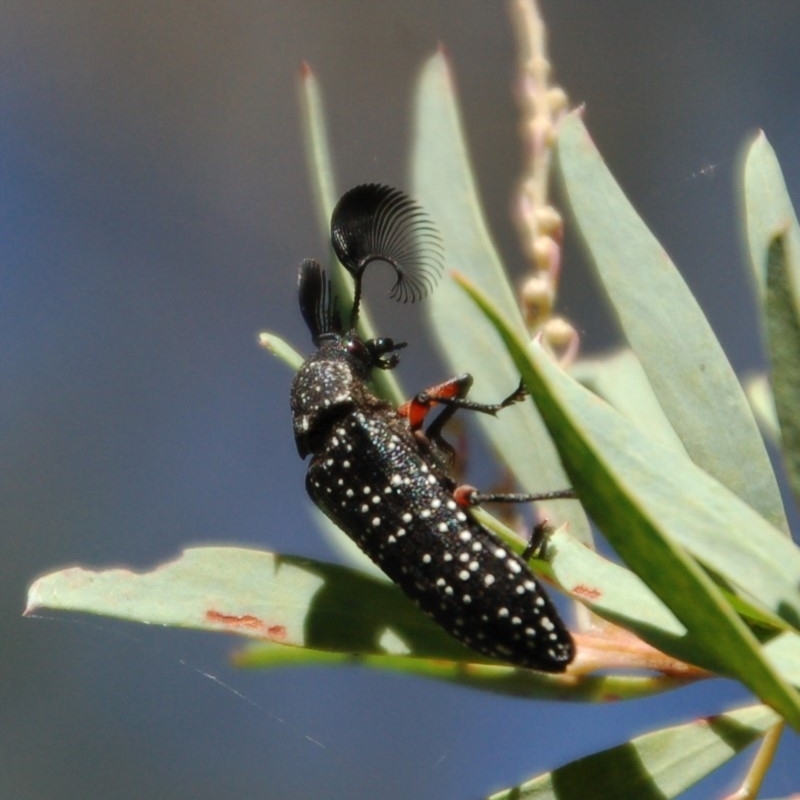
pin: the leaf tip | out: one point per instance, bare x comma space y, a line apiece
31, 604
461, 279
440, 64
264, 340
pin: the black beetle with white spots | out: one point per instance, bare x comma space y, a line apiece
382, 479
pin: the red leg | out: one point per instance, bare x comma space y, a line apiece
416, 409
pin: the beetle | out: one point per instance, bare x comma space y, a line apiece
385, 481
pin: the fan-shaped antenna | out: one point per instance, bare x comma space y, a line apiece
373, 222
317, 301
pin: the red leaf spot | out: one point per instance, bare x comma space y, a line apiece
244, 621
247, 622
276, 632
589, 592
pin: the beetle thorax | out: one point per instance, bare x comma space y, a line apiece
328, 385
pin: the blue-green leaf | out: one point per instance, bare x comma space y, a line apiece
444, 183
656, 766
684, 362
773, 235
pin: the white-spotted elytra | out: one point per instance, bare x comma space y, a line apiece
383, 480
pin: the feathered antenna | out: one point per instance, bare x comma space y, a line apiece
373, 222
317, 301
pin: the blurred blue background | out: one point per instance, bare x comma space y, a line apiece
155, 206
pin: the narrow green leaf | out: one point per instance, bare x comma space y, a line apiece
284, 599
443, 181
325, 196
620, 380
274, 344
616, 594
317, 149
651, 503
656, 766
526, 684
773, 235
783, 335
768, 212
684, 362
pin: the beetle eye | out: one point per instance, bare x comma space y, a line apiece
357, 348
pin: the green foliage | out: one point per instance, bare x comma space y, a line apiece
654, 766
